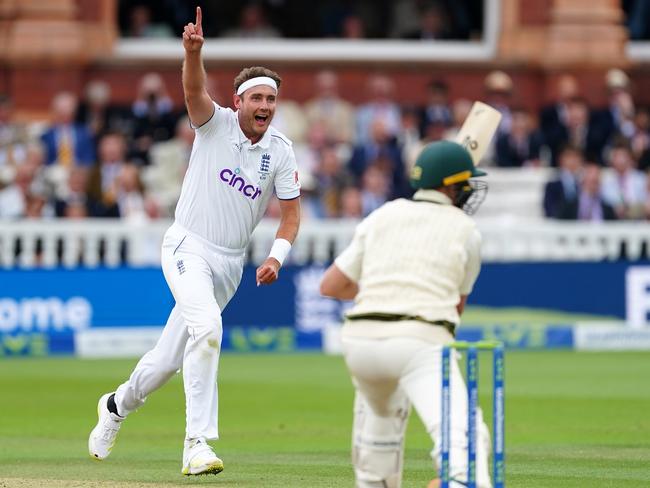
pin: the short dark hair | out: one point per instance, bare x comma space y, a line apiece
253, 72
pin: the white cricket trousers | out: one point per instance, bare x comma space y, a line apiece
389, 376
203, 278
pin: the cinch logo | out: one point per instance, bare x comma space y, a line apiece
234, 180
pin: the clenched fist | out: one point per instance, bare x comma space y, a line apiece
267, 273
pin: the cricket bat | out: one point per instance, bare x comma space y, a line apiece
478, 129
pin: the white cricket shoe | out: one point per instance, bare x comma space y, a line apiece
199, 458
102, 437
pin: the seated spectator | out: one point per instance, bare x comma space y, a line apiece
640, 143
562, 191
590, 205
67, 143
522, 146
499, 89
73, 197
353, 27
617, 119
581, 131
102, 181
169, 159
290, 119
97, 112
375, 189
553, 118
23, 192
460, 109
331, 177
624, 187
141, 25
410, 140
130, 197
437, 111
153, 116
253, 24
328, 108
14, 137
380, 106
381, 146
434, 24
351, 203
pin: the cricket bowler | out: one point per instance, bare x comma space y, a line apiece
409, 268
236, 164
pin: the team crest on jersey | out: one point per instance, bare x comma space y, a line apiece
265, 164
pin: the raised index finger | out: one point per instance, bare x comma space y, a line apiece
199, 16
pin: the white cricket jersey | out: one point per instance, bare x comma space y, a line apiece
413, 257
229, 181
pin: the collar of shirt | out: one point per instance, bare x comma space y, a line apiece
264, 142
432, 196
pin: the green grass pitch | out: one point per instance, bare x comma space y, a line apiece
572, 420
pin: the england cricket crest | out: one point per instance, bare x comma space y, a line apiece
265, 165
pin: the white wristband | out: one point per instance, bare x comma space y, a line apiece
280, 250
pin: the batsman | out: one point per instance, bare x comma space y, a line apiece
410, 268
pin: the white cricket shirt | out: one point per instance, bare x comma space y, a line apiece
229, 181
413, 257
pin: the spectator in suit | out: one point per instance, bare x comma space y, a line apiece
328, 108
562, 191
624, 187
67, 143
103, 178
437, 112
522, 146
383, 147
581, 131
97, 112
553, 118
380, 106
153, 115
253, 24
434, 24
590, 205
375, 189
640, 142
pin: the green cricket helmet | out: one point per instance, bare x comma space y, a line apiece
448, 164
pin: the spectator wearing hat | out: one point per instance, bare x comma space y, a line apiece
498, 93
617, 119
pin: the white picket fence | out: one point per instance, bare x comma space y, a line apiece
102, 242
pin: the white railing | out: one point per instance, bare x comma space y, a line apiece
103, 242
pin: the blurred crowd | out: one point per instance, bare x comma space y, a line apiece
349, 19
95, 158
